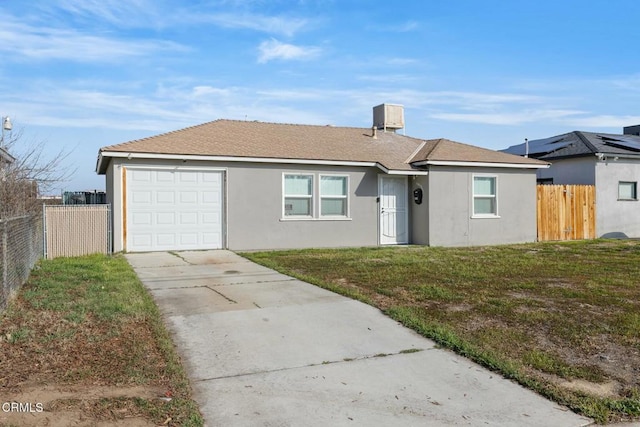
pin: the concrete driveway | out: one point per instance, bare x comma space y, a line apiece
262, 348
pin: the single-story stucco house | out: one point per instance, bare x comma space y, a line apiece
254, 185
610, 162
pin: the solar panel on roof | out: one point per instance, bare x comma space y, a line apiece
540, 146
622, 141
547, 145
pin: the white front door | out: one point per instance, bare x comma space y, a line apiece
393, 210
173, 209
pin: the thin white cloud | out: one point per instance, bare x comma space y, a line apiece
507, 118
281, 25
37, 42
628, 83
209, 91
407, 26
273, 49
477, 99
602, 121
389, 78
154, 14
122, 13
403, 27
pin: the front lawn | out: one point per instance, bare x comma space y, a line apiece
560, 318
84, 344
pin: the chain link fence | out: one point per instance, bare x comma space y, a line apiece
21, 245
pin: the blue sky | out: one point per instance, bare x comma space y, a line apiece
81, 74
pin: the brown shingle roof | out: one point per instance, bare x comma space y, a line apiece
444, 150
233, 138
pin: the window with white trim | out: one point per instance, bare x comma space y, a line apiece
627, 190
298, 195
485, 200
334, 195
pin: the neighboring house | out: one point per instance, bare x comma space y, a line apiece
5, 157
611, 162
253, 185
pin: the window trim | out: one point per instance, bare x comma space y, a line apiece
635, 191
298, 196
345, 197
475, 196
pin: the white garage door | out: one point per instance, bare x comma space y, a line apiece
173, 209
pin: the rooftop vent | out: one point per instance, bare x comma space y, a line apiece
631, 130
388, 117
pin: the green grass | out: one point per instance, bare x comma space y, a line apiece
89, 320
542, 314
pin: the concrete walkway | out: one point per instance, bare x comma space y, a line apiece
263, 349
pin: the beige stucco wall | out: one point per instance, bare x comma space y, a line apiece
578, 170
254, 220
254, 217
451, 221
616, 218
419, 213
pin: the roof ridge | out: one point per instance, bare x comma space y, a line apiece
585, 141
416, 151
292, 124
436, 145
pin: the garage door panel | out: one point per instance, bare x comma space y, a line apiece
165, 197
141, 197
140, 176
189, 197
188, 177
165, 218
190, 239
188, 218
165, 176
211, 178
210, 218
165, 240
174, 210
142, 240
210, 238
210, 197
141, 218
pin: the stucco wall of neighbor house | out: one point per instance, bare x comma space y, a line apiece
577, 170
254, 206
255, 209
616, 218
451, 221
419, 213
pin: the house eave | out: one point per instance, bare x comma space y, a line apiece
481, 164
4, 155
408, 172
102, 164
614, 156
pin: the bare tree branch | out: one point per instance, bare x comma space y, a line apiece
32, 173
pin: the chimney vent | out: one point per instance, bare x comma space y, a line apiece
388, 117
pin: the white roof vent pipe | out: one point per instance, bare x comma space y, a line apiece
388, 117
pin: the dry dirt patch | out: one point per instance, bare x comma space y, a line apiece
82, 344
76, 405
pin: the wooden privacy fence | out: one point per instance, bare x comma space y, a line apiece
566, 212
74, 230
